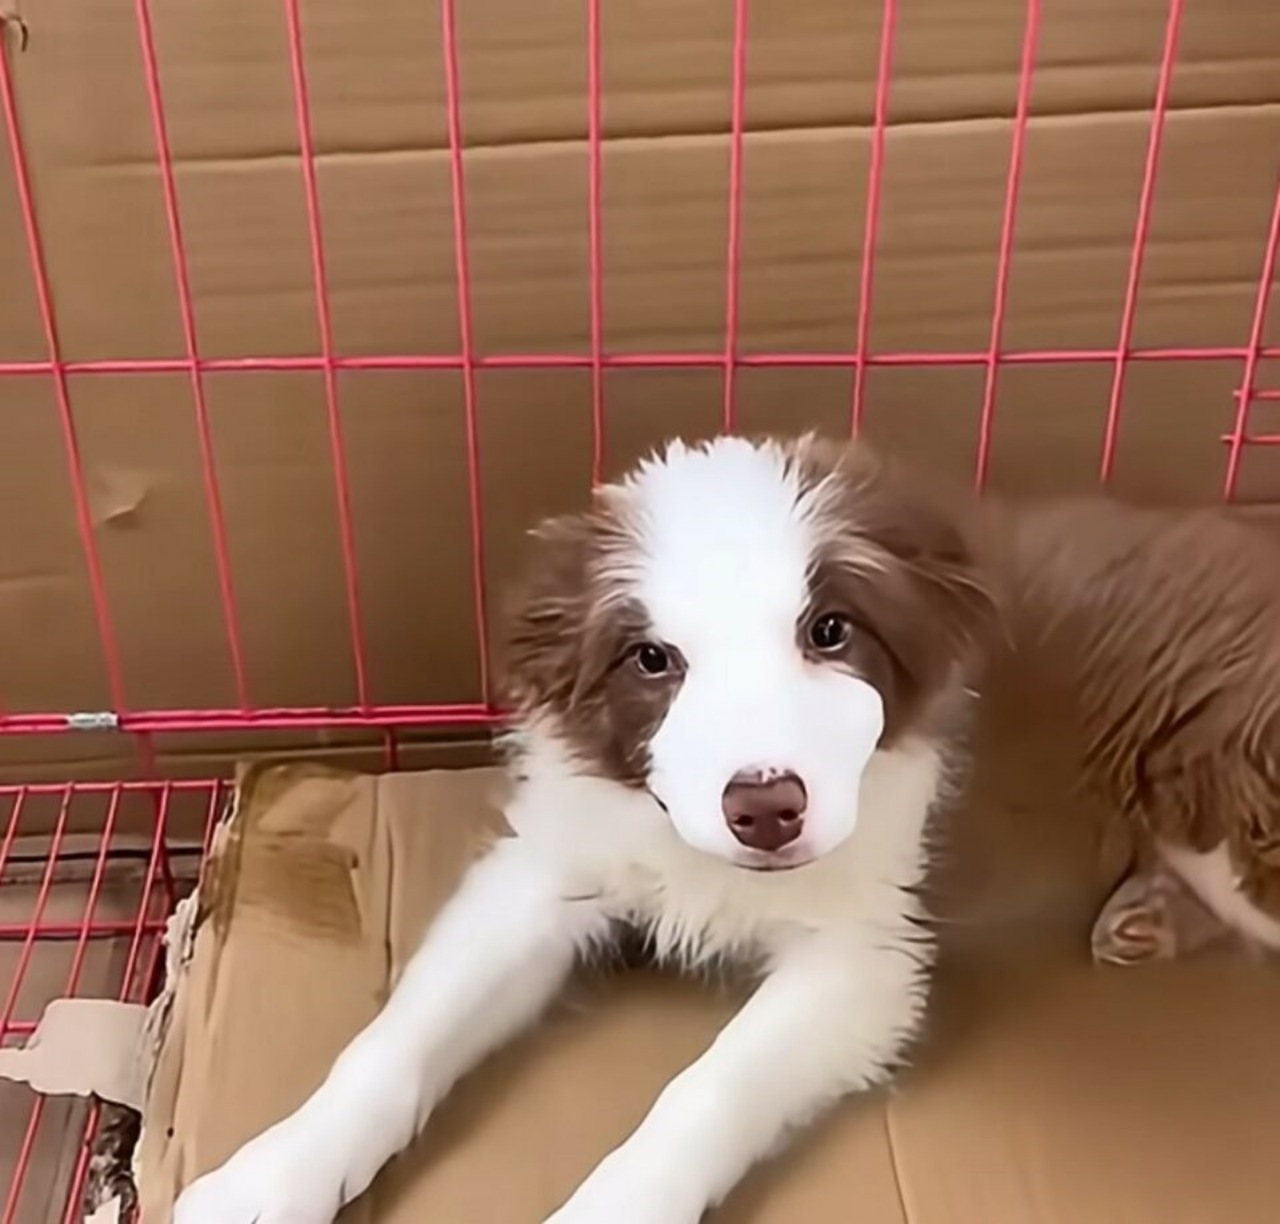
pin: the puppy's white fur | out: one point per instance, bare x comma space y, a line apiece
724, 538
721, 569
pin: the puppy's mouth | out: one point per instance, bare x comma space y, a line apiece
767, 864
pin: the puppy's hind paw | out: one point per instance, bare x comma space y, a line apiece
1152, 916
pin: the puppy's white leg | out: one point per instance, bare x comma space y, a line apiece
828, 1021
494, 957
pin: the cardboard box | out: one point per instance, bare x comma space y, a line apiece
377, 94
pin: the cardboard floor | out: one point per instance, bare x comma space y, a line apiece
1049, 1092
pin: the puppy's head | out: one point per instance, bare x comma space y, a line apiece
736, 627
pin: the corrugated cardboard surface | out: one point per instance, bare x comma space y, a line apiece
1049, 1091
281, 977
378, 98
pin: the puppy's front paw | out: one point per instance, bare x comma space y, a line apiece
267, 1182
596, 1211
616, 1195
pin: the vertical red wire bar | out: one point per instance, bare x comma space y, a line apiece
324, 321
871, 220
1146, 198
733, 256
182, 276
62, 395
1008, 226
462, 261
6, 848
23, 1163
73, 983
1257, 330
595, 215
158, 848
72, 1213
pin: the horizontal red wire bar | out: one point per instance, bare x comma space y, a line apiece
1253, 439
300, 718
585, 361
60, 931
14, 790
18, 1028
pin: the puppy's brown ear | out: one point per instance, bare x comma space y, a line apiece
952, 582
548, 614
907, 555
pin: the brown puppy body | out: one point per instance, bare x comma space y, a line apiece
1158, 634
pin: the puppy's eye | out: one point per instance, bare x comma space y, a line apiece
652, 659
830, 632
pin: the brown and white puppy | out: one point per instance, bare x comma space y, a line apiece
738, 681
1159, 633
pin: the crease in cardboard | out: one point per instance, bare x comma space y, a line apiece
894, 1157
33, 579
976, 120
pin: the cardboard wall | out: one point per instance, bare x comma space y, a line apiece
377, 93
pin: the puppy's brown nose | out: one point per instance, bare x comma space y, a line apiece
764, 813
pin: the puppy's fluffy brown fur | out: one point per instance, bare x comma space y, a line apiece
1158, 634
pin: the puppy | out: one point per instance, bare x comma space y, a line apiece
1158, 634
739, 689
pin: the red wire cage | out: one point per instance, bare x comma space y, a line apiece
69, 805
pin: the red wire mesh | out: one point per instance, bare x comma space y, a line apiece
862, 358
155, 888
114, 889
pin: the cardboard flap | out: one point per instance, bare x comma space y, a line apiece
85, 1047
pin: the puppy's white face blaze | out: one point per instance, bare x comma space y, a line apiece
736, 628
725, 546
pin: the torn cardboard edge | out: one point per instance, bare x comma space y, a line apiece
95, 1048
84, 1047
106, 1049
